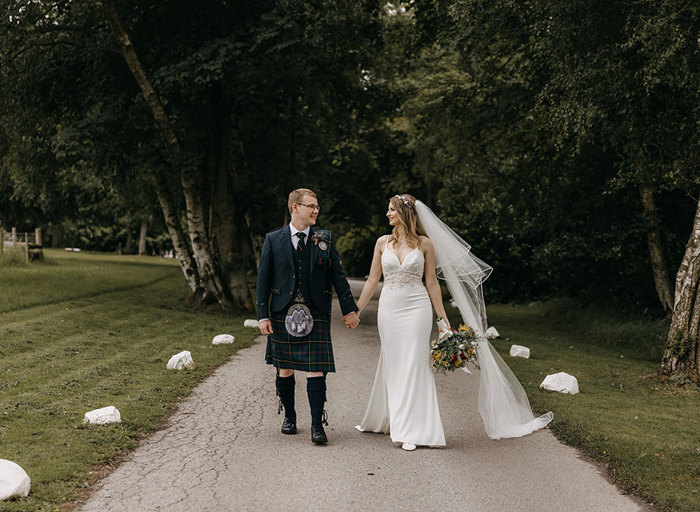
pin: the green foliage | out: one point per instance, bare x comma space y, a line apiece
529, 126
356, 247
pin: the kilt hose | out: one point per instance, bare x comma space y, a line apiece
310, 353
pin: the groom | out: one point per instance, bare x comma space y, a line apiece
299, 266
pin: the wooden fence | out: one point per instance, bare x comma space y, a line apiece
30, 242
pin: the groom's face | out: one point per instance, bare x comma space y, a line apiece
304, 213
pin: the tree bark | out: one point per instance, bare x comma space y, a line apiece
201, 248
142, 238
230, 235
229, 232
129, 246
177, 236
659, 267
681, 354
57, 236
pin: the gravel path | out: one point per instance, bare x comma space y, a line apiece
222, 450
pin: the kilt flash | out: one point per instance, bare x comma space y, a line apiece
311, 353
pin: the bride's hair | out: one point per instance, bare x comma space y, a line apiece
409, 227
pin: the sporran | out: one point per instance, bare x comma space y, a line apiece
299, 321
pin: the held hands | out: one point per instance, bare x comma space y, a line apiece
351, 320
265, 327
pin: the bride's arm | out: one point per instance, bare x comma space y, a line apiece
375, 272
431, 282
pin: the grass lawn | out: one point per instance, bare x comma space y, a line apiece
645, 433
83, 331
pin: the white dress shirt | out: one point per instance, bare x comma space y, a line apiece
295, 238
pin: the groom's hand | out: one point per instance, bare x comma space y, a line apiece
351, 320
265, 327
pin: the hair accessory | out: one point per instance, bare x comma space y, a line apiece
405, 201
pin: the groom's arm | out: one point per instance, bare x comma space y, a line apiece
262, 287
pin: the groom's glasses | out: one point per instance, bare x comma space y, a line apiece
312, 206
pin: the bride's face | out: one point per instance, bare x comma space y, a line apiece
392, 215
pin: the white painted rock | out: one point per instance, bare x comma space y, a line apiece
492, 333
561, 382
223, 339
14, 481
519, 351
181, 361
109, 414
250, 323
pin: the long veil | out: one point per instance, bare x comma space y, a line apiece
503, 404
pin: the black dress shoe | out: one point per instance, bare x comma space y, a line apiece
289, 426
318, 435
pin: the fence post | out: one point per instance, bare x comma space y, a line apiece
2, 240
26, 246
37, 236
14, 237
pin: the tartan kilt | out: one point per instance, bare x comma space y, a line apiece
310, 353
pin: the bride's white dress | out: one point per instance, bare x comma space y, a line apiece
403, 401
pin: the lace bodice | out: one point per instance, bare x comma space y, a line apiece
401, 275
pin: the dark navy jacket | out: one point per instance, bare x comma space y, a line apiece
276, 277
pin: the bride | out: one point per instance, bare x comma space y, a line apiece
403, 401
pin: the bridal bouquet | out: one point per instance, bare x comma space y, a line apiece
454, 349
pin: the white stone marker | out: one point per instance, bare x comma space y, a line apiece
109, 414
223, 339
181, 361
519, 351
14, 481
561, 382
250, 323
492, 333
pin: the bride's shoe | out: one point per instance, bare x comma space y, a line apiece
409, 447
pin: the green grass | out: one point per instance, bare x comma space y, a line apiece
644, 433
83, 331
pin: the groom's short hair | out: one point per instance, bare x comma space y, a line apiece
297, 196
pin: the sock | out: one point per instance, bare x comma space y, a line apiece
316, 389
285, 390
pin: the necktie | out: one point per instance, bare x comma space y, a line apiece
301, 244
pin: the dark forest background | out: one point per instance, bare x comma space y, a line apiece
560, 139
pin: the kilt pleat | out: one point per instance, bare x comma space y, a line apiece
310, 353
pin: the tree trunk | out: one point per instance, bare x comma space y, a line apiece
142, 238
209, 286
129, 246
172, 221
681, 354
659, 266
201, 248
255, 240
57, 236
229, 232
